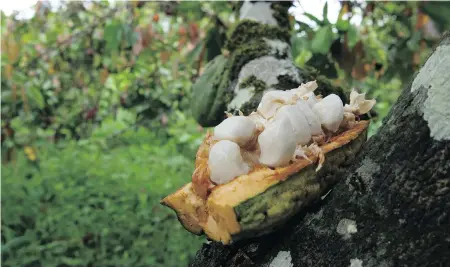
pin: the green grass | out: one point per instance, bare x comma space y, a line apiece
92, 205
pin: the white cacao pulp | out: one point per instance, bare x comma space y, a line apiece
358, 103
258, 120
273, 100
310, 99
313, 120
277, 143
330, 112
288, 123
299, 123
305, 88
239, 129
225, 162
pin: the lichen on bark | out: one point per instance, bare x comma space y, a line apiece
435, 108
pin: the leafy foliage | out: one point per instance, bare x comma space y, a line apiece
95, 131
92, 204
377, 55
93, 59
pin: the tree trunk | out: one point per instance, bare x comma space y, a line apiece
258, 59
392, 205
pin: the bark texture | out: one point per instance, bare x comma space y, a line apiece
392, 205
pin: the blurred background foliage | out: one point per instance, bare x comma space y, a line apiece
95, 125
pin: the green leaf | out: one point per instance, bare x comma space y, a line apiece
126, 116
57, 247
299, 44
36, 96
342, 25
17, 123
113, 35
393, 8
130, 34
322, 40
72, 261
15, 243
325, 13
313, 18
413, 42
6, 96
193, 55
303, 57
303, 26
352, 36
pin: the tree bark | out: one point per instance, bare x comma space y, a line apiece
259, 59
392, 205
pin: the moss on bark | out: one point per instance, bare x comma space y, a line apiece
247, 31
259, 87
280, 13
253, 81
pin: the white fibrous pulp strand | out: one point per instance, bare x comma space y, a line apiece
305, 89
358, 103
273, 100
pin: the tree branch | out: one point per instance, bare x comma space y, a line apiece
392, 207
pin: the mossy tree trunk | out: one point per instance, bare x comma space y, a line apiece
392, 206
257, 59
